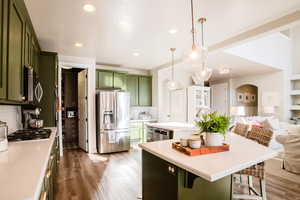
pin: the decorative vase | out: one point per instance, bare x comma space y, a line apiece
214, 139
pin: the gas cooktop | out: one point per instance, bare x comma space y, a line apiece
29, 134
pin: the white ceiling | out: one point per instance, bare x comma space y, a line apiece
120, 27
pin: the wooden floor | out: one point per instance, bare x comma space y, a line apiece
116, 177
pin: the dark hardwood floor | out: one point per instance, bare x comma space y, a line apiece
116, 177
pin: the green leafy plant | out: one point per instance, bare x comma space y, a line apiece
214, 123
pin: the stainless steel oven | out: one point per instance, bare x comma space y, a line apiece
156, 134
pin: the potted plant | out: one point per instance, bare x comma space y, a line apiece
215, 126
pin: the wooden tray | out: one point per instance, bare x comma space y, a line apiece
200, 151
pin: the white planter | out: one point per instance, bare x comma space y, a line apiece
214, 139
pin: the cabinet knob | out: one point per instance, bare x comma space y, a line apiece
23, 98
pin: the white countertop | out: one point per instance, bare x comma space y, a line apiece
143, 120
243, 153
174, 126
23, 167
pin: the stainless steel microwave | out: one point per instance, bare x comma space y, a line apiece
33, 91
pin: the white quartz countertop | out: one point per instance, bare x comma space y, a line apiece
174, 126
243, 153
22, 168
143, 120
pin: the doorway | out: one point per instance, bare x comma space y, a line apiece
74, 108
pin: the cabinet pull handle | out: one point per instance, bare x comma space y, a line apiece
43, 196
48, 174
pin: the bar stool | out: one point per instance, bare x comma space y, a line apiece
262, 136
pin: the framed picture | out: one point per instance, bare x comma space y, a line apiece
240, 97
253, 97
247, 98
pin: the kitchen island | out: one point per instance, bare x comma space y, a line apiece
170, 175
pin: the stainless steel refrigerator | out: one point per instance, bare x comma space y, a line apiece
112, 112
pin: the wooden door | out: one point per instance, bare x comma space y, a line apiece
219, 94
15, 52
120, 80
82, 110
145, 91
133, 89
104, 79
3, 48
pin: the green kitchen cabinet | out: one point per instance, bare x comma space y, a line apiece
28, 47
133, 89
145, 91
35, 56
104, 79
3, 48
47, 77
120, 80
16, 27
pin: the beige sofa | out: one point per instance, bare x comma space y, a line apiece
291, 145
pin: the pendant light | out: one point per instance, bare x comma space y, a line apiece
195, 55
205, 72
171, 84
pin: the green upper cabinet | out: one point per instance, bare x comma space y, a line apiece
120, 80
133, 89
145, 90
47, 78
28, 47
104, 79
15, 52
3, 48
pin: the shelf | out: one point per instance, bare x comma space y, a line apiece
295, 92
295, 77
295, 107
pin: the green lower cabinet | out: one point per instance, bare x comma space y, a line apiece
104, 79
136, 131
162, 180
48, 188
133, 89
192, 187
145, 91
120, 81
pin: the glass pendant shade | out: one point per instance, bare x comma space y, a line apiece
172, 85
205, 74
195, 56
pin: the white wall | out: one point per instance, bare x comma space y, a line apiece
295, 35
90, 65
12, 116
161, 95
273, 50
124, 69
270, 82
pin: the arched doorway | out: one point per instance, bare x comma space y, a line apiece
247, 96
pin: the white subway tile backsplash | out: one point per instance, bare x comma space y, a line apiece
135, 111
12, 116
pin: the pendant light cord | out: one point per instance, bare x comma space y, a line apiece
193, 23
172, 65
202, 34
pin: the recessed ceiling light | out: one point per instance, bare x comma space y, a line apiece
173, 31
89, 8
136, 54
77, 44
